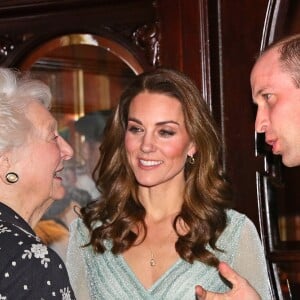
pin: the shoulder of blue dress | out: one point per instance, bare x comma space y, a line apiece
229, 238
79, 229
235, 222
234, 216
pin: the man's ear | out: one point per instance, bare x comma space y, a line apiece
4, 166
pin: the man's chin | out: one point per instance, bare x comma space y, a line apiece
291, 162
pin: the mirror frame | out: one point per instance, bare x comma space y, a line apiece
83, 39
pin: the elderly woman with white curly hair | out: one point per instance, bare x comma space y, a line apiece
31, 157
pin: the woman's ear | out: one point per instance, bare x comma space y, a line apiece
192, 149
4, 166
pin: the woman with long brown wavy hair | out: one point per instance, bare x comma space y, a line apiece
164, 220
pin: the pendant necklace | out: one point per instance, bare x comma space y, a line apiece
152, 259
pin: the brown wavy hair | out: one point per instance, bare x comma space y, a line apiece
207, 193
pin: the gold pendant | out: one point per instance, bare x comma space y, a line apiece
152, 262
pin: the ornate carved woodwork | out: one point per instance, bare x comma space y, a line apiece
148, 38
25, 25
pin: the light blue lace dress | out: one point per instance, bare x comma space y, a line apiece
107, 276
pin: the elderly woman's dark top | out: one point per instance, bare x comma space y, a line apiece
28, 268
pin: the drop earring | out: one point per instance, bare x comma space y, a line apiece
12, 177
191, 159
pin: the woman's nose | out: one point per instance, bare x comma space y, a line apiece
148, 143
66, 149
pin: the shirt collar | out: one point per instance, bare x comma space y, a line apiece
10, 216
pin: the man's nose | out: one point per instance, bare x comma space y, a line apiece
262, 120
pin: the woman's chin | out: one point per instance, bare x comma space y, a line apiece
59, 193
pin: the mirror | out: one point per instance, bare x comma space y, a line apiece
86, 74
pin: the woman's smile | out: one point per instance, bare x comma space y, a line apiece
149, 163
156, 139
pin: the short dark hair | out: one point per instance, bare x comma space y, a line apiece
289, 55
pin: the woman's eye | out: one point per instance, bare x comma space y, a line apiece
55, 135
166, 133
134, 129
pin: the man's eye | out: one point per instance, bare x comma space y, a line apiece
267, 96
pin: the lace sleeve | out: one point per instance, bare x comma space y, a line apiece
250, 260
75, 264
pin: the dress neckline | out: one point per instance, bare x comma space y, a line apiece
133, 276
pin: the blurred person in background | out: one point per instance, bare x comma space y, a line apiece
91, 127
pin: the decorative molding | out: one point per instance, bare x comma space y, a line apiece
276, 14
147, 38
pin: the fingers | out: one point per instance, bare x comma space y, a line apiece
229, 273
241, 289
200, 292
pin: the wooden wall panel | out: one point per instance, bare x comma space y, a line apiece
180, 36
241, 27
215, 43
